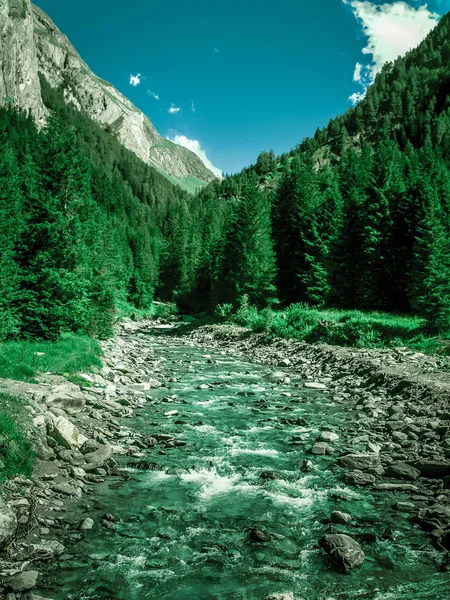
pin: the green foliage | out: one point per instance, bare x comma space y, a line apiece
16, 451
69, 355
352, 328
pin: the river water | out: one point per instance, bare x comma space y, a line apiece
183, 523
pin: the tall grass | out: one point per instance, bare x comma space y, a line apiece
16, 451
352, 328
69, 355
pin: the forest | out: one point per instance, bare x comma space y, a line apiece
356, 217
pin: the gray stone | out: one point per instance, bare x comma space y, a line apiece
8, 524
64, 432
315, 385
98, 458
89, 446
399, 470
360, 462
345, 552
340, 518
328, 436
433, 468
276, 376
66, 489
22, 582
87, 524
359, 478
283, 596
320, 448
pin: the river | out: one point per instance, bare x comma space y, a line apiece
183, 522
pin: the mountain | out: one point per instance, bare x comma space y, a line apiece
31, 44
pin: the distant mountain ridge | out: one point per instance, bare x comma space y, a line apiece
31, 44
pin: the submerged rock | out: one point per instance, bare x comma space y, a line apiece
345, 552
257, 535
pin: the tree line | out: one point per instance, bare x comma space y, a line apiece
355, 217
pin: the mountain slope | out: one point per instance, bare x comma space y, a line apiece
30, 43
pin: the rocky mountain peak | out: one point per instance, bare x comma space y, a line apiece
31, 44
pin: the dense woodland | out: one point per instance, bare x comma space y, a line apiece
356, 217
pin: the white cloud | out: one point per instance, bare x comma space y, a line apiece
192, 106
195, 147
357, 73
173, 110
155, 96
391, 31
135, 79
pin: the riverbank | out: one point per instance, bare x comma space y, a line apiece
375, 421
77, 431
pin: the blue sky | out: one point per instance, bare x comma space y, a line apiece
246, 75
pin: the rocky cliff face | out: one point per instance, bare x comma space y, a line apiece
30, 43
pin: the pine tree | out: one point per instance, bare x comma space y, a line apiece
246, 260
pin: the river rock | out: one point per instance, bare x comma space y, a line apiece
401, 470
283, 596
360, 462
267, 475
321, 448
345, 552
328, 436
256, 535
97, 459
68, 397
314, 385
277, 377
66, 489
359, 478
433, 468
438, 514
89, 446
64, 432
307, 466
87, 524
340, 518
8, 524
22, 582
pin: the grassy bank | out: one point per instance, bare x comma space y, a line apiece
69, 355
16, 451
350, 328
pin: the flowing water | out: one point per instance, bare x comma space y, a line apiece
183, 528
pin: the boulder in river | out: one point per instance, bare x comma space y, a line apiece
344, 551
256, 535
277, 377
328, 436
98, 458
282, 596
340, 518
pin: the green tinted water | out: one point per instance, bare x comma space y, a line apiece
183, 524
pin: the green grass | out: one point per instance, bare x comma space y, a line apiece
351, 328
68, 356
16, 451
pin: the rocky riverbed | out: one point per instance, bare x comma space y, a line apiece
217, 465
